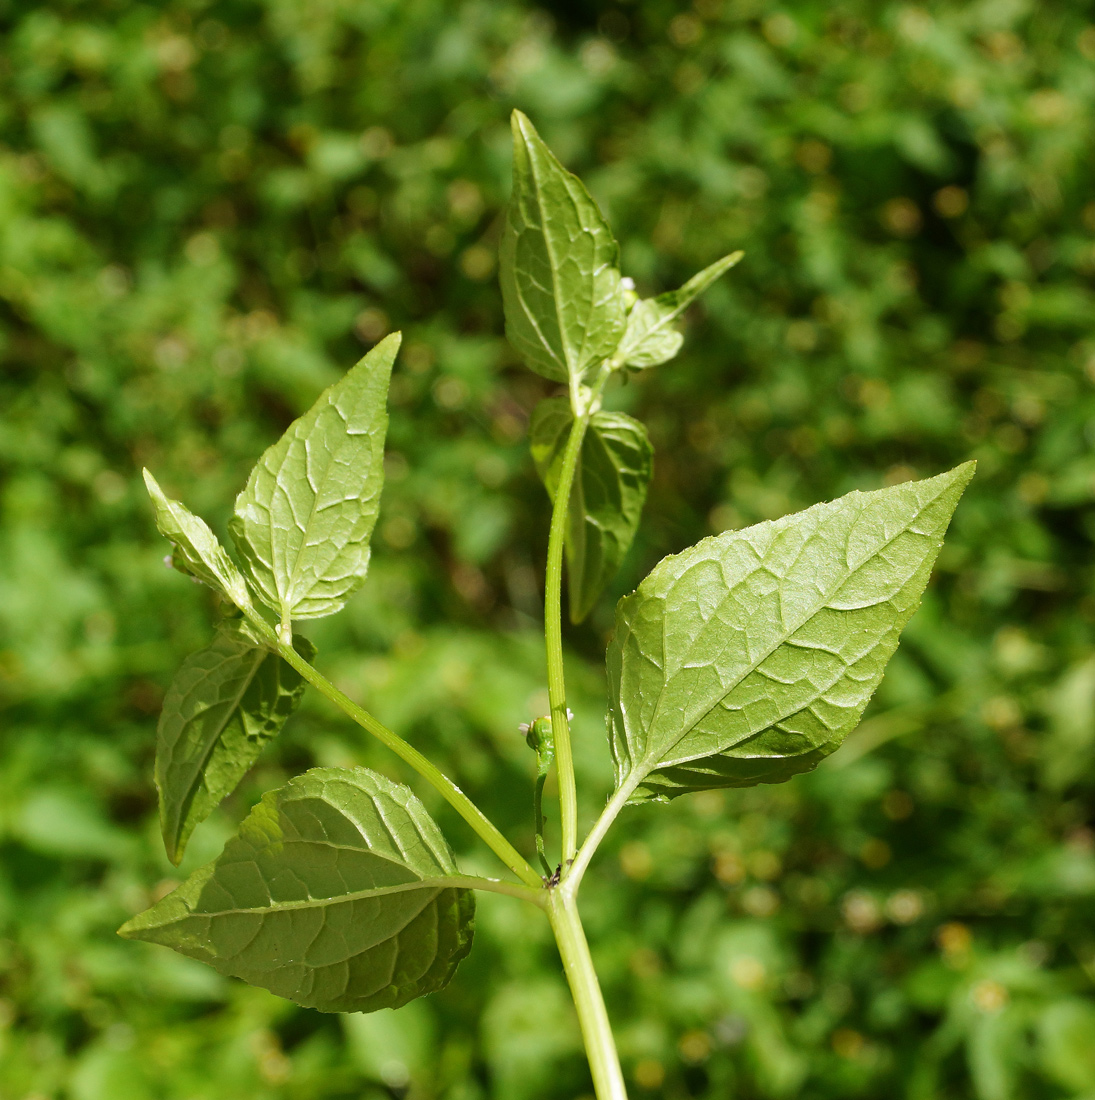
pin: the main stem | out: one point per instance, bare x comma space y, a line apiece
604, 1062
553, 635
429, 771
584, 402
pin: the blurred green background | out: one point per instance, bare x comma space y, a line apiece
209, 209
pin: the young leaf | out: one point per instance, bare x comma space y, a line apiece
750, 657
197, 550
335, 893
225, 703
302, 525
614, 469
650, 338
559, 266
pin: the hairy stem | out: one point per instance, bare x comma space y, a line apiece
429, 771
604, 1062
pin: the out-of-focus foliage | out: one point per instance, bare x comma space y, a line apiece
207, 211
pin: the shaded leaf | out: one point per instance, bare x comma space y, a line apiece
303, 523
650, 338
197, 550
225, 703
335, 893
559, 266
615, 465
750, 657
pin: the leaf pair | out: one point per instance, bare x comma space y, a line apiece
302, 527
614, 469
302, 524
566, 305
338, 893
750, 657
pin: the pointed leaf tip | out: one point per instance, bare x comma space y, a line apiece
304, 522
198, 551
558, 265
650, 337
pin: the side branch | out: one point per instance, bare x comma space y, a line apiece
429, 771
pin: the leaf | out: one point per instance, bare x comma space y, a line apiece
225, 703
614, 469
336, 893
559, 266
302, 525
749, 657
197, 550
650, 338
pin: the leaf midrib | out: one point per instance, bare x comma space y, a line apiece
438, 884
289, 600
556, 297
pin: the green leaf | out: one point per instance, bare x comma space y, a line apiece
750, 657
336, 893
614, 469
225, 703
197, 550
559, 266
650, 338
302, 525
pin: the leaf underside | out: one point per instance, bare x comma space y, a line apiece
750, 657
559, 266
614, 469
197, 551
334, 894
302, 524
650, 338
226, 703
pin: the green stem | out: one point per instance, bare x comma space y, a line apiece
604, 1062
456, 798
497, 886
553, 611
573, 874
553, 636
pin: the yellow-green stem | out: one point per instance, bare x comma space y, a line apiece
584, 403
553, 636
604, 1062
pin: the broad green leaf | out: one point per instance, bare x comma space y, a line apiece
559, 266
614, 469
650, 338
302, 525
751, 656
225, 703
336, 893
197, 550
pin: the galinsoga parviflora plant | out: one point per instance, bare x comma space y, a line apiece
745, 659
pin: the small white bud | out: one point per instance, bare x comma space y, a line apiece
627, 283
